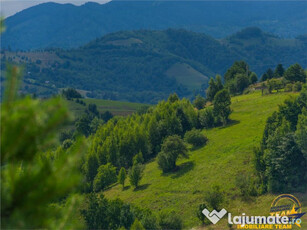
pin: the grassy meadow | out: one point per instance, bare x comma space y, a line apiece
228, 152
115, 107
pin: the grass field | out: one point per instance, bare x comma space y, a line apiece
228, 152
115, 107
187, 76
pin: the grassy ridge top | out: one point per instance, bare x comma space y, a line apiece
228, 152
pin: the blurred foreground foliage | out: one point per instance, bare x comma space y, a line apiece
39, 181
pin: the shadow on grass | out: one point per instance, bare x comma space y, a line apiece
180, 170
194, 148
126, 188
229, 124
141, 187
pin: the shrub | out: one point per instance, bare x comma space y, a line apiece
289, 87
199, 102
137, 225
67, 143
195, 138
170, 221
206, 117
246, 185
215, 198
106, 175
297, 86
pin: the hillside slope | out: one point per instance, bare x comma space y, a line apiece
146, 66
228, 152
115, 107
66, 25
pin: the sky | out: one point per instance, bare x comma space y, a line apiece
10, 7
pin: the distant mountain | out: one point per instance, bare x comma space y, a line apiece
67, 25
146, 66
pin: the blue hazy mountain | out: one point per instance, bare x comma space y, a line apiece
148, 65
68, 26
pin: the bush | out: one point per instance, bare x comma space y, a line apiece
246, 185
215, 198
297, 87
67, 143
199, 102
172, 148
195, 138
137, 225
206, 117
289, 87
106, 175
170, 221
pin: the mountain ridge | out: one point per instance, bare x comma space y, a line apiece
31, 29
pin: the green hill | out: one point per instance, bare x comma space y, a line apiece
228, 152
146, 66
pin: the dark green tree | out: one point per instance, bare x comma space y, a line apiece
206, 117
106, 175
242, 81
71, 93
270, 73
122, 176
286, 165
253, 78
279, 71
199, 102
295, 73
170, 220
96, 214
173, 98
172, 148
214, 87
83, 125
264, 77
106, 116
239, 67
136, 174
221, 105
301, 132
92, 108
